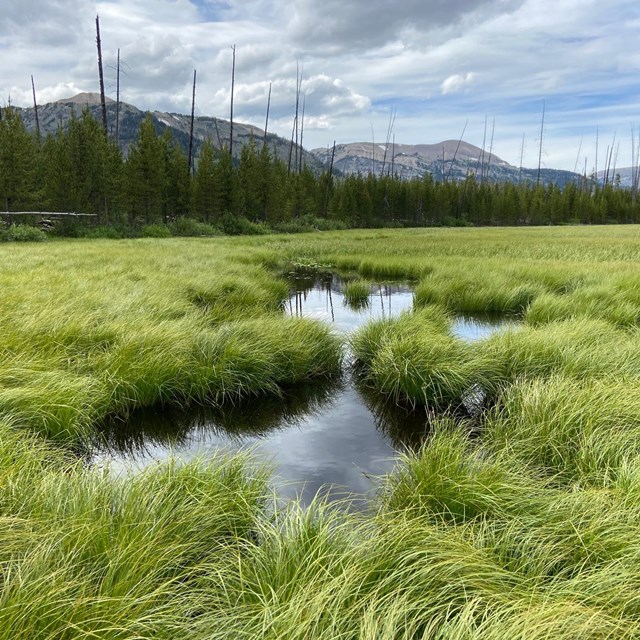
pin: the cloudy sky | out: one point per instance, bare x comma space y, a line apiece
437, 63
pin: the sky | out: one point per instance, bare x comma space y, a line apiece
485, 67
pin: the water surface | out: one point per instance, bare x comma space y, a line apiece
331, 437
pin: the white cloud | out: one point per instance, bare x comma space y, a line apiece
439, 62
457, 83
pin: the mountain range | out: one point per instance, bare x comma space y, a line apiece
450, 159
58, 114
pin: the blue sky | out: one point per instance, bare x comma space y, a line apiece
438, 63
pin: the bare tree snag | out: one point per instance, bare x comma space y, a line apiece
118, 99
193, 107
35, 109
266, 121
103, 101
540, 147
233, 82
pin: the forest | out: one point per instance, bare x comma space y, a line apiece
154, 192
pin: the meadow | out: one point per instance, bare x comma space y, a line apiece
519, 519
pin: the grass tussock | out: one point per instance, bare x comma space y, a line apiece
529, 529
356, 293
85, 555
93, 337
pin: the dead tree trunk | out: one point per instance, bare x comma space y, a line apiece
393, 155
301, 163
540, 148
193, 107
493, 130
392, 118
596, 166
294, 130
481, 158
266, 121
455, 153
103, 101
118, 99
35, 109
233, 82
329, 181
521, 159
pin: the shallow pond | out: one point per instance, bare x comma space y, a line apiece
333, 437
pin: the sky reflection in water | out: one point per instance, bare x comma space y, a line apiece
332, 437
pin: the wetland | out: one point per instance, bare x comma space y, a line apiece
510, 503
333, 438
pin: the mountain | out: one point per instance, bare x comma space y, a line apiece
408, 161
451, 159
55, 114
626, 175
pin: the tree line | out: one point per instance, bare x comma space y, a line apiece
78, 169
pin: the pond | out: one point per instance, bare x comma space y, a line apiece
332, 437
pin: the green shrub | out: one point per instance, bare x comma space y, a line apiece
234, 225
185, 227
110, 233
155, 231
305, 224
22, 233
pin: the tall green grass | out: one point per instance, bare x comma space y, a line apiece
526, 526
92, 329
356, 293
86, 555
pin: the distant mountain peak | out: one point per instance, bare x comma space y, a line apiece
92, 99
54, 115
447, 160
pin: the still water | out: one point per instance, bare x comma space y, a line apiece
332, 438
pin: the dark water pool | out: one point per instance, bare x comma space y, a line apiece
333, 437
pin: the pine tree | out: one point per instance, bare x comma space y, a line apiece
250, 182
145, 176
177, 186
18, 152
203, 196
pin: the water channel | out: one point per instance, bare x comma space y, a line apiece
333, 438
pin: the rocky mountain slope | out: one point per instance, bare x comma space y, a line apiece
450, 159
626, 176
55, 114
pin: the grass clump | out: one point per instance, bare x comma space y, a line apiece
90, 336
468, 292
584, 432
415, 358
527, 528
356, 293
84, 554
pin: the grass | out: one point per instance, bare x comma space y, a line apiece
357, 293
84, 555
93, 329
521, 521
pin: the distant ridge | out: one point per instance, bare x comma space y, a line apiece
85, 98
446, 160
58, 114
408, 161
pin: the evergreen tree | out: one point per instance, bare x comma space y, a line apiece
177, 179
145, 176
203, 193
250, 182
18, 163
